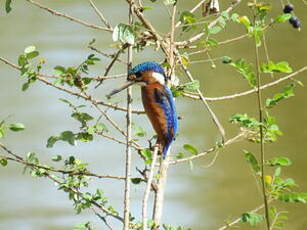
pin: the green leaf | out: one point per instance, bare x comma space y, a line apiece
147, 155
279, 161
193, 86
3, 162
277, 171
244, 120
250, 157
82, 117
252, 218
187, 18
138, 130
280, 67
286, 93
136, 180
69, 137
124, 33
235, 17
226, 59
191, 149
212, 42
215, 29
245, 21
283, 17
84, 137
246, 70
8, 7
16, 127
51, 141
293, 197
57, 158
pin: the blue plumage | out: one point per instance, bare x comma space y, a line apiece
165, 99
145, 66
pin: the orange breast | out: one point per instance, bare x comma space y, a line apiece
154, 111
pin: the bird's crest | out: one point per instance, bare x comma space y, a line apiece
146, 66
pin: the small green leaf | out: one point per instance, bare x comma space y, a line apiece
226, 59
280, 67
293, 197
29, 49
283, 17
194, 85
147, 155
235, 17
191, 149
57, 158
279, 161
250, 157
215, 29
51, 141
8, 7
16, 127
82, 117
252, 218
286, 93
69, 137
246, 70
124, 33
245, 21
136, 180
3, 162
277, 172
187, 18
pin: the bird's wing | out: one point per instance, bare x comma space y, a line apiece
164, 97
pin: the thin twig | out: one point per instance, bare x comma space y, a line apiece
19, 159
235, 221
100, 15
106, 54
203, 99
148, 187
251, 91
262, 153
192, 10
128, 138
109, 67
232, 140
77, 20
159, 195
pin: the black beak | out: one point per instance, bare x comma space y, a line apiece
120, 88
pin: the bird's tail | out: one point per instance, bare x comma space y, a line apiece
166, 149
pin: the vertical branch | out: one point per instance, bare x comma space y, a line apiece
128, 139
148, 186
171, 46
262, 154
159, 196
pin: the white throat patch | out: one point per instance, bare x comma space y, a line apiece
159, 77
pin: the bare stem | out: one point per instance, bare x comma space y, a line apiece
128, 139
148, 187
100, 15
262, 153
77, 20
159, 196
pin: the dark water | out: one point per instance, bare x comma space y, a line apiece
202, 197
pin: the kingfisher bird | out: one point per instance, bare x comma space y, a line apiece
158, 101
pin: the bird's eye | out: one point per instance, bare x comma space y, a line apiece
138, 74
